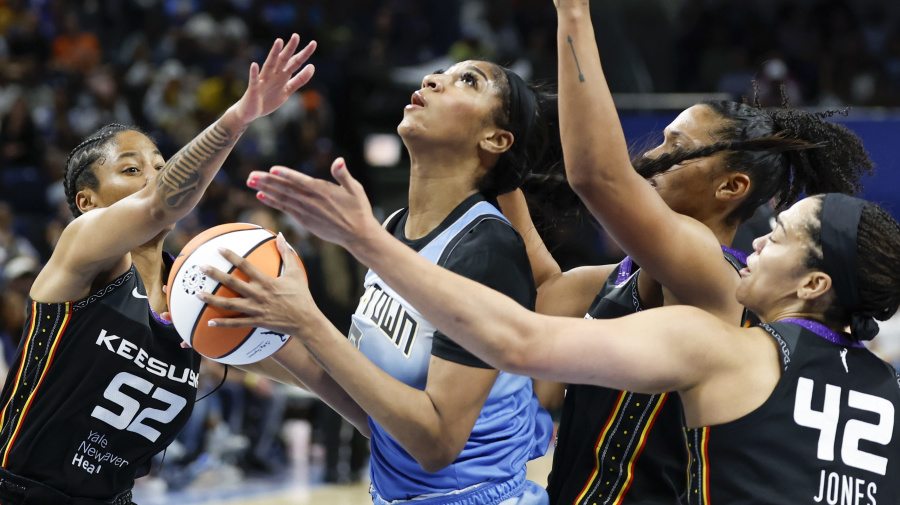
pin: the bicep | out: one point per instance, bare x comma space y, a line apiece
458, 393
653, 351
571, 293
101, 236
661, 240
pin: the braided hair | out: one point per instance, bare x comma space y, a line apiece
877, 243
79, 166
785, 151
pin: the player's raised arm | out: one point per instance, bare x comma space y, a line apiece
125, 194
599, 169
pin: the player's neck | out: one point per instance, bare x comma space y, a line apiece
435, 190
148, 261
723, 231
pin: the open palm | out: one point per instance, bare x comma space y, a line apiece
270, 87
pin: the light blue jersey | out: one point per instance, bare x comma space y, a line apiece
511, 428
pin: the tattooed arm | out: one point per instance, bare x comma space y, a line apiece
137, 201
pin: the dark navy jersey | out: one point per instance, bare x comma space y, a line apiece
617, 447
828, 433
98, 387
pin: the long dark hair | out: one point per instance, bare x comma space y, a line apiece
785, 151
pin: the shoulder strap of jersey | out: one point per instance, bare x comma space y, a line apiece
480, 212
738, 260
392, 220
787, 335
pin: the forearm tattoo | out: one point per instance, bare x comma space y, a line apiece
572, 46
319, 361
183, 173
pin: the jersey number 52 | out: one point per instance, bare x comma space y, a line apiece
132, 416
826, 421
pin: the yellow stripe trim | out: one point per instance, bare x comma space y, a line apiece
56, 339
640, 446
704, 462
602, 439
21, 368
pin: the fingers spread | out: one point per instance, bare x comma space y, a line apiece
253, 273
268, 66
300, 58
241, 305
300, 79
287, 51
227, 280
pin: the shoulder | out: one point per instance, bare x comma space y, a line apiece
489, 234
486, 243
492, 253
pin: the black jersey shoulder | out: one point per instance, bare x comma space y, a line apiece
489, 251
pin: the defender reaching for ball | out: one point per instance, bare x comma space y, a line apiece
793, 411
100, 384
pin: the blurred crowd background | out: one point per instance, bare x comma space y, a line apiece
173, 66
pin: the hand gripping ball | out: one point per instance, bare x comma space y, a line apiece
233, 346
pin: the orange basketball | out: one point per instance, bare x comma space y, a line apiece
234, 346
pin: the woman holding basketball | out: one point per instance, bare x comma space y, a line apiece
100, 384
445, 427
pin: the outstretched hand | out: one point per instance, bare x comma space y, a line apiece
338, 213
281, 304
269, 87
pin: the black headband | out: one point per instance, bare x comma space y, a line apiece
522, 107
840, 220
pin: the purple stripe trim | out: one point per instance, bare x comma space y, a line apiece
824, 332
156, 316
624, 270
740, 255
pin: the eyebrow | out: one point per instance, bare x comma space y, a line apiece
132, 154
476, 69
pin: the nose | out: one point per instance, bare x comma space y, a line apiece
149, 175
652, 153
432, 81
758, 242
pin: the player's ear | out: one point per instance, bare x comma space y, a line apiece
86, 200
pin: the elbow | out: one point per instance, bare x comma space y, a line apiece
518, 356
435, 460
584, 181
162, 214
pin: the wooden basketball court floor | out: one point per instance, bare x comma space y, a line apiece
293, 489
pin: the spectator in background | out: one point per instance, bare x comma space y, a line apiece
75, 51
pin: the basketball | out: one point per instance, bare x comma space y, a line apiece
232, 346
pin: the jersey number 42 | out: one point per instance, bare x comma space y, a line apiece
826, 421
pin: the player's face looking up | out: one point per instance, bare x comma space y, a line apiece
459, 106
687, 187
777, 273
128, 163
